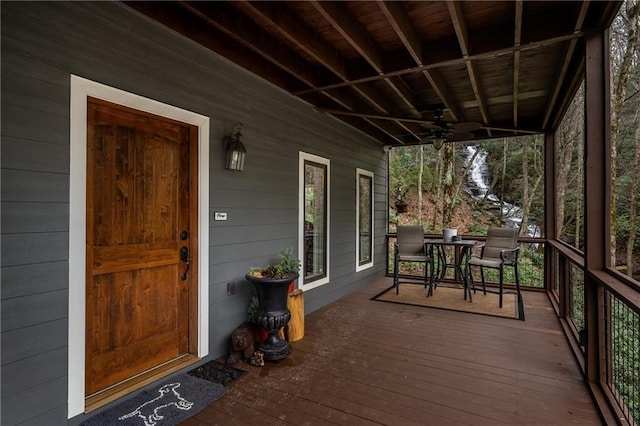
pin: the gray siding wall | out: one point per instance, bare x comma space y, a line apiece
42, 44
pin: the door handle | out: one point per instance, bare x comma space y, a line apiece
184, 256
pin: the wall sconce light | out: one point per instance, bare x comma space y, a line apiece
235, 149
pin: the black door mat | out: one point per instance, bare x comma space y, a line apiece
167, 403
217, 372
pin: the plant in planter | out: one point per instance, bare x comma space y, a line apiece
287, 266
252, 317
272, 284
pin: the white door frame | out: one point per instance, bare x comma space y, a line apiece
81, 88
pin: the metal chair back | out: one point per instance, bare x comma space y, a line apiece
410, 241
499, 239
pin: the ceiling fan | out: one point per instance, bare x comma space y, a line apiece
440, 131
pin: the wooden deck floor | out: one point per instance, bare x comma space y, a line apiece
365, 362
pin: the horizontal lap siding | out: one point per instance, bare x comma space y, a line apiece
42, 44
24, 280
35, 188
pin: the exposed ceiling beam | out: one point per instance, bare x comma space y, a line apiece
320, 50
357, 36
406, 95
514, 130
506, 99
437, 83
445, 59
173, 16
551, 103
371, 129
350, 28
415, 120
300, 35
371, 115
224, 17
399, 20
389, 133
353, 32
516, 59
380, 66
397, 17
462, 33
227, 19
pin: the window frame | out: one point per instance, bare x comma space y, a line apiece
303, 159
366, 173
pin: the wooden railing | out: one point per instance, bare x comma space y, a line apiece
616, 310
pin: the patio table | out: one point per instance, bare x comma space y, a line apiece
459, 263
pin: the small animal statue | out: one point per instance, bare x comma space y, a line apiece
149, 412
243, 343
257, 359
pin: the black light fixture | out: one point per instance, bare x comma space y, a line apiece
438, 142
235, 149
440, 131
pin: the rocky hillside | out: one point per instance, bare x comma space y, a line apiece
468, 218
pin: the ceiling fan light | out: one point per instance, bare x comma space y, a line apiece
438, 142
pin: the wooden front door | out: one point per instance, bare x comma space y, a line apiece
141, 238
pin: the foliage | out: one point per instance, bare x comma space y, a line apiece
403, 170
448, 196
625, 329
393, 218
577, 305
287, 265
252, 311
476, 227
625, 133
569, 174
536, 257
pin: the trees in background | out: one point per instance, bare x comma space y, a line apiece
448, 184
437, 179
569, 190
532, 176
625, 136
625, 150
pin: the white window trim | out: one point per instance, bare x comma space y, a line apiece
362, 172
80, 89
303, 156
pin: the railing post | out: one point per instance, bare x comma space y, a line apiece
550, 217
597, 169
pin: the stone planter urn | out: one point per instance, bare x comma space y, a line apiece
273, 314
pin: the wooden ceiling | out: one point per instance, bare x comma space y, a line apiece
384, 67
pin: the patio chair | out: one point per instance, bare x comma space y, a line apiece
500, 250
410, 247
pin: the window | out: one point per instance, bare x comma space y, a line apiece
364, 219
313, 231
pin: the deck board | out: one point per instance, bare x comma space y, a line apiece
364, 362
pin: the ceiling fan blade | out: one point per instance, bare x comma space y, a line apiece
468, 126
431, 126
460, 136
